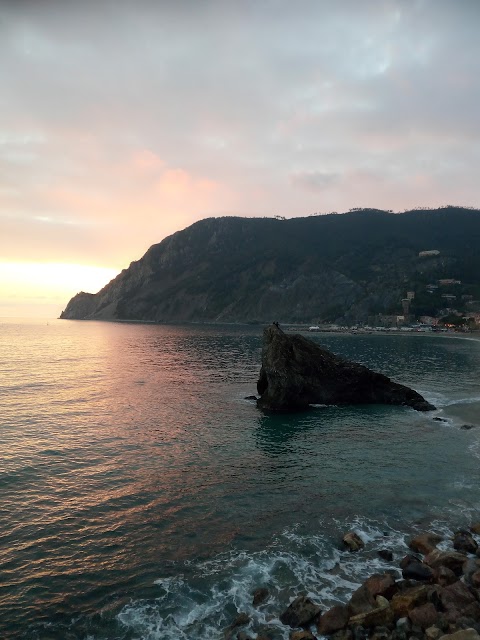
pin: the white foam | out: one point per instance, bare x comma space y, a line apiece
203, 601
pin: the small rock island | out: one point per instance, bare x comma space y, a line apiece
297, 372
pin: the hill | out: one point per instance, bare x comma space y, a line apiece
337, 267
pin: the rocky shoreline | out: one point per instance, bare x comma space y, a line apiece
433, 595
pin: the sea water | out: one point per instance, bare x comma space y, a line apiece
142, 497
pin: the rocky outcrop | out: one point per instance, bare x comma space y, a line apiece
297, 372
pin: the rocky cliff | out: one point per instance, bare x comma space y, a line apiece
321, 268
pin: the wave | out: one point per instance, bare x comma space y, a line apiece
200, 602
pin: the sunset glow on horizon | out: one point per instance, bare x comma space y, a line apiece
122, 123
49, 285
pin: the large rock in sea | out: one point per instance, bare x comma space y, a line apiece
297, 372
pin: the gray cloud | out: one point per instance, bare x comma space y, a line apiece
128, 120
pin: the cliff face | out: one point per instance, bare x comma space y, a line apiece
335, 267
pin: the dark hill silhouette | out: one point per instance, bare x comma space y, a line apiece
341, 267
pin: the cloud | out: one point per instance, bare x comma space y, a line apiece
125, 121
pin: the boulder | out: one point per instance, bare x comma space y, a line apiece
418, 571
380, 633
297, 372
381, 584
353, 541
470, 566
444, 576
259, 596
386, 554
407, 600
456, 600
424, 616
433, 633
475, 528
475, 579
343, 634
453, 560
463, 541
408, 559
300, 612
301, 635
333, 620
381, 615
425, 542
463, 634
362, 601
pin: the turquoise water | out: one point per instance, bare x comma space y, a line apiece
143, 497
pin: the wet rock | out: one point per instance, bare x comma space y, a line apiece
251, 398
297, 372
475, 528
456, 599
386, 554
470, 566
464, 542
362, 601
433, 633
300, 612
416, 632
240, 620
408, 599
381, 615
343, 634
467, 427
444, 576
418, 571
333, 620
464, 622
352, 541
475, 579
241, 635
381, 584
424, 616
453, 560
403, 624
267, 633
259, 596
408, 559
380, 633
359, 632
425, 542
301, 635
463, 634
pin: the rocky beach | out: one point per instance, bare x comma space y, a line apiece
433, 594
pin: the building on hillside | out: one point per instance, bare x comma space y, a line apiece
430, 252
432, 287
446, 281
429, 320
410, 295
449, 296
406, 308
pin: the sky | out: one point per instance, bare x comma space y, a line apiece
123, 121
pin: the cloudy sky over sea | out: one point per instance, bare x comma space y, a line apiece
122, 121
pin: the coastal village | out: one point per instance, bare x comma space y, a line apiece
452, 309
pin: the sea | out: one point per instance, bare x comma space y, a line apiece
143, 497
